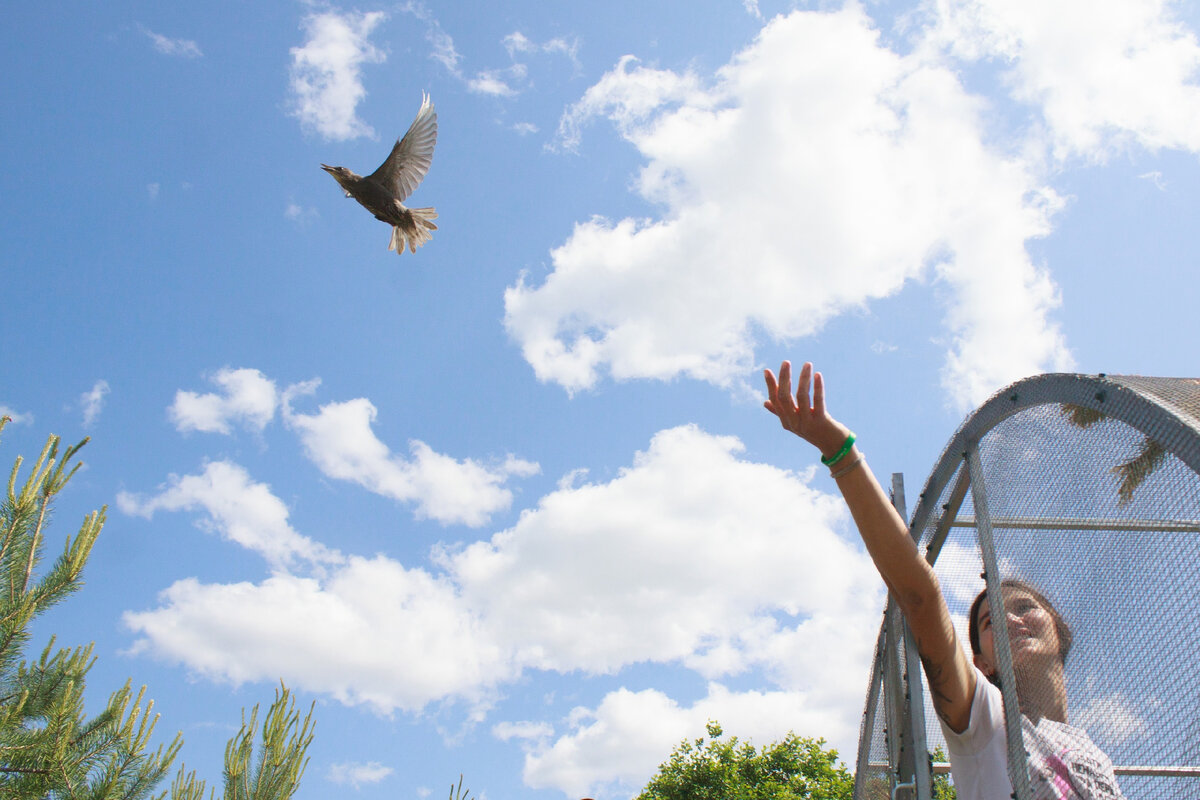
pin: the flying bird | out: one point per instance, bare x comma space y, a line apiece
382, 191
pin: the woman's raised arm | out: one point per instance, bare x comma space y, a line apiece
909, 577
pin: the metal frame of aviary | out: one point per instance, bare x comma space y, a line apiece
1087, 487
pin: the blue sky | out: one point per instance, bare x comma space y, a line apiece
510, 506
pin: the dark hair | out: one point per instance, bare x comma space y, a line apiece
1060, 625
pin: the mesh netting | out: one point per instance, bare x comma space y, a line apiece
872, 781
871, 778
1092, 501
881, 736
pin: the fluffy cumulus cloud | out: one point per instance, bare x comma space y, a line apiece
680, 559
613, 749
816, 171
247, 398
372, 632
340, 441
677, 543
1102, 75
235, 507
326, 80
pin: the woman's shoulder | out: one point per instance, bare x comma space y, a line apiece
986, 721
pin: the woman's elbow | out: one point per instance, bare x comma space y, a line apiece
922, 601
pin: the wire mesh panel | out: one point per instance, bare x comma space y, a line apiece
887, 754
874, 777
1093, 496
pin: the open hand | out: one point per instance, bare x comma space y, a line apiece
810, 421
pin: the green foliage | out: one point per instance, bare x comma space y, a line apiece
281, 759
460, 793
795, 768
48, 748
942, 788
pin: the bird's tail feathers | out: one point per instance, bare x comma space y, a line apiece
425, 217
414, 233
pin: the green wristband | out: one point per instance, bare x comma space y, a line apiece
840, 454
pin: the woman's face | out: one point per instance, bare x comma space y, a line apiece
1032, 635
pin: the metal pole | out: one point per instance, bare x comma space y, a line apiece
914, 699
1018, 759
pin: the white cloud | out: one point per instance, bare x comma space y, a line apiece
525, 128
506, 731
496, 81
1104, 75
674, 559
15, 417
326, 83
818, 171
1115, 716
493, 82
959, 567
444, 51
185, 48
299, 214
681, 559
517, 42
371, 633
340, 441
92, 402
628, 97
357, 774
248, 397
568, 47
152, 190
237, 508
1156, 178
615, 748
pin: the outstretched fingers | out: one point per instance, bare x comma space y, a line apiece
802, 387
779, 394
785, 399
793, 411
804, 413
772, 390
818, 395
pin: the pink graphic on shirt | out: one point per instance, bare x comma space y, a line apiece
1061, 780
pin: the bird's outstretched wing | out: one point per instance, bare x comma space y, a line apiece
412, 155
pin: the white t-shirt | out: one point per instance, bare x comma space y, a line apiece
1064, 762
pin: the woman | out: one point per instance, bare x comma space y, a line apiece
1064, 763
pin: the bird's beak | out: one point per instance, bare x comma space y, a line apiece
327, 168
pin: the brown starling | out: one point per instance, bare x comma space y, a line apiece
382, 190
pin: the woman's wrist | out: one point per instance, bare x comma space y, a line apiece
835, 442
844, 466
833, 459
